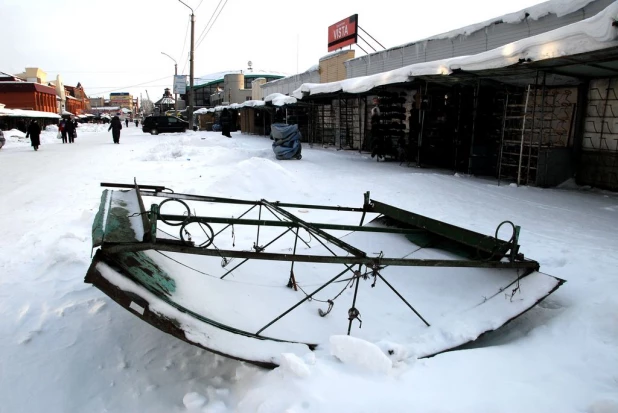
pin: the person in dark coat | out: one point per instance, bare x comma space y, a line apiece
126, 122
115, 126
377, 137
226, 123
69, 127
34, 132
136, 122
62, 128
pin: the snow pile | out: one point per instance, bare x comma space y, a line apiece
293, 365
170, 150
51, 128
93, 127
360, 353
194, 401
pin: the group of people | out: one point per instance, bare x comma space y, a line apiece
68, 130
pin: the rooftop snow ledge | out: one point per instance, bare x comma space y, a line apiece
588, 35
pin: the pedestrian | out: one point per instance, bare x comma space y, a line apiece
34, 132
377, 137
63, 131
226, 123
136, 122
69, 127
126, 122
115, 126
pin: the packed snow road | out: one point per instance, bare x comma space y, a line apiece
66, 347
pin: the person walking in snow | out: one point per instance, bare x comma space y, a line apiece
115, 126
136, 122
226, 123
69, 128
126, 122
34, 132
63, 131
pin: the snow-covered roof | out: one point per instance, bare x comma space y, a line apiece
106, 108
277, 99
22, 113
558, 7
594, 33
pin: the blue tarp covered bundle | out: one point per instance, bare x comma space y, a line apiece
286, 143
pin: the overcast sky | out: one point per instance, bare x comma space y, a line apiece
115, 46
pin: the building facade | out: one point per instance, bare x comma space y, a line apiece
232, 87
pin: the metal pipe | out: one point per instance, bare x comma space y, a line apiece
162, 245
289, 310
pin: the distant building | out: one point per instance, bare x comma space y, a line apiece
97, 102
228, 87
166, 102
121, 99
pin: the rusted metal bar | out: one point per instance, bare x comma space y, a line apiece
292, 224
473, 239
162, 245
289, 310
403, 299
318, 232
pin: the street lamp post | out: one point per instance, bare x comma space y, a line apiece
175, 73
190, 94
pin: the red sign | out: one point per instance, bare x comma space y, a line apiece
343, 33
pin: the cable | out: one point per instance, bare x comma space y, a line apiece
198, 6
209, 20
131, 86
184, 45
211, 26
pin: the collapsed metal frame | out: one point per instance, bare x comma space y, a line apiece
497, 253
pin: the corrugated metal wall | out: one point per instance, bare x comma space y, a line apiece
493, 36
289, 84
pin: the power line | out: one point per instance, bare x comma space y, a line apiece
131, 86
209, 20
213, 23
184, 45
211, 26
198, 6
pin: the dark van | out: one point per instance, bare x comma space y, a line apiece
162, 124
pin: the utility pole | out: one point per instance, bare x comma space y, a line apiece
175, 73
190, 92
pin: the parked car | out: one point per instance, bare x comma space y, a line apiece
161, 124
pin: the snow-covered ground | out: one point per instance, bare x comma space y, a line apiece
66, 347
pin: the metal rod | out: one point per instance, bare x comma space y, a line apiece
277, 216
506, 105
371, 37
523, 134
403, 299
534, 104
289, 310
227, 226
293, 255
354, 300
247, 259
312, 229
257, 241
161, 245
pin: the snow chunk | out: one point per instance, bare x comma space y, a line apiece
361, 353
291, 363
396, 352
603, 406
194, 400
